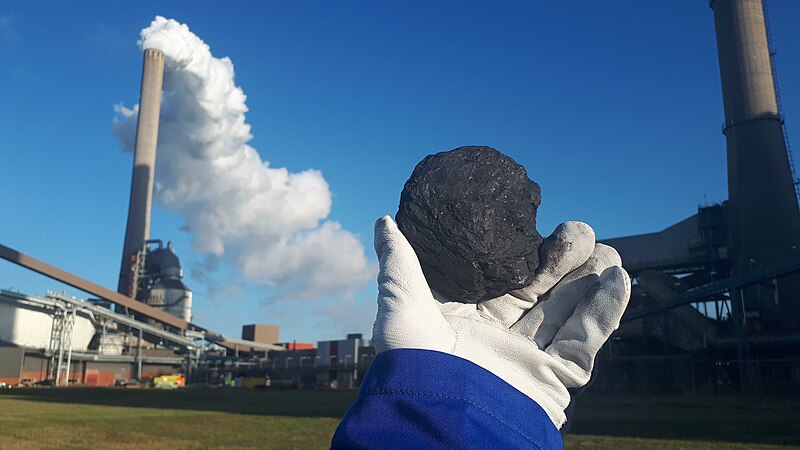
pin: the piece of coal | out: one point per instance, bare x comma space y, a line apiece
470, 215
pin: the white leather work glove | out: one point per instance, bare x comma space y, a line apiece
542, 339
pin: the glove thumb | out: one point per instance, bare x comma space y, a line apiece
408, 315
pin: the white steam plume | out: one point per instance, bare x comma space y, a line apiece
268, 222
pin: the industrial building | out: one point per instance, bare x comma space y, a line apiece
64, 340
334, 364
715, 304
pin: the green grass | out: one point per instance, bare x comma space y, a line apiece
216, 418
750, 420
195, 419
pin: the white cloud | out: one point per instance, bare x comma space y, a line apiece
268, 222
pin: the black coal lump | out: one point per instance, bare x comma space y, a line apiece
470, 215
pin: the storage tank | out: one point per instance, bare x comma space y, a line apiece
30, 326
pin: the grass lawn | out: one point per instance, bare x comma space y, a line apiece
214, 418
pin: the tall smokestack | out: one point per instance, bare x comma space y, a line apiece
144, 161
763, 212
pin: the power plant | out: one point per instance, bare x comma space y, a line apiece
149, 334
762, 200
715, 304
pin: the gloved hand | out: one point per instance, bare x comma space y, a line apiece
542, 339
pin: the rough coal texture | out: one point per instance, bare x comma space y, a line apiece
470, 215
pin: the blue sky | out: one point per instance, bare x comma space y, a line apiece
615, 110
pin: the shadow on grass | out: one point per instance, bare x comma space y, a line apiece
270, 402
763, 420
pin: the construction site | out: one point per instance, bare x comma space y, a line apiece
715, 306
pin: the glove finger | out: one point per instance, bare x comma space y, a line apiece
569, 246
576, 344
544, 320
503, 310
408, 316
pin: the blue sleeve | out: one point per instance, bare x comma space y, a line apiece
423, 399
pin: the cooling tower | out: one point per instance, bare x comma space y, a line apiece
144, 161
763, 212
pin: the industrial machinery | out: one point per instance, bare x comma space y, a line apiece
156, 278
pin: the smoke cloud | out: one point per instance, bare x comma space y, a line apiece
268, 222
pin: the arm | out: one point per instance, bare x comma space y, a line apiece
420, 399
